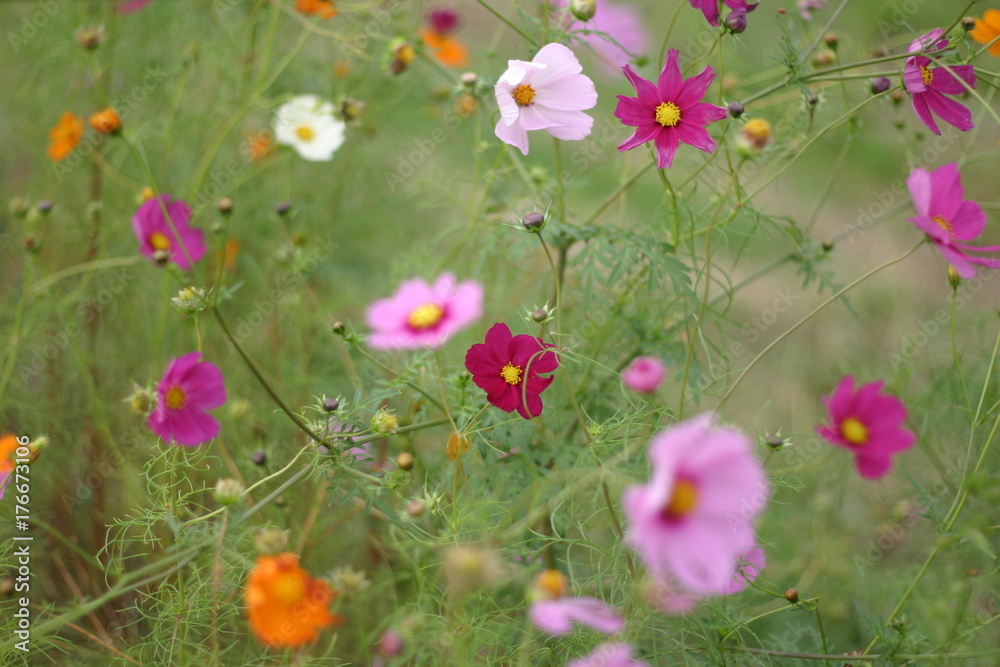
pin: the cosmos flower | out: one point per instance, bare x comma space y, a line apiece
442, 44
188, 387
867, 423
422, 315
644, 374
616, 33
65, 136
693, 519
669, 112
160, 240
324, 9
130, 6
549, 93
987, 29
945, 217
710, 8
285, 605
555, 614
8, 445
106, 121
308, 124
807, 7
928, 84
608, 655
507, 368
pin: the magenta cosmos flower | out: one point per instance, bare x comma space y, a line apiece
616, 33
608, 655
188, 388
867, 423
182, 244
507, 368
423, 315
710, 8
549, 93
945, 217
670, 112
928, 85
644, 374
693, 520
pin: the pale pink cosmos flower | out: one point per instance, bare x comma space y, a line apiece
929, 84
608, 655
669, 597
549, 93
556, 617
422, 315
946, 217
644, 374
693, 519
867, 423
670, 112
807, 7
617, 33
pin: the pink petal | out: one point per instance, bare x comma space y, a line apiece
694, 88
923, 111
919, 185
640, 136
514, 134
633, 112
646, 91
695, 135
968, 221
950, 111
670, 83
948, 81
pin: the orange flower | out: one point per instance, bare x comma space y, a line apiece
106, 121
8, 443
458, 444
260, 146
323, 8
448, 51
65, 136
285, 604
987, 29
229, 254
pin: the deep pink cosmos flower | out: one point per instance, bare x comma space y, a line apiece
608, 655
156, 234
944, 216
549, 93
670, 112
644, 374
422, 315
188, 388
693, 519
617, 33
507, 368
867, 423
442, 21
929, 84
710, 8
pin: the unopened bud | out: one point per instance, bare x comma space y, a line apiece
229, 491
539, 315
968, 23
551, 583
880, 84
953, 278
44, 206
583, 9
390, 644
161, 257
89, 37
735, 109
469, 79
405, 460
331, 404
736, 22
792, 595
774, 441
259, 457
225, 205
533, 222
338, 328
832, 40
283, 208
825, 58
827, 245
416, 507
142, 401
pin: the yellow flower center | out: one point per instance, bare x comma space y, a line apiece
552, 582
683, 500
927, 75
524, 95
425, 316
305, 133
511, 373
159, 241
854, 431
943, 222
668, 114
176, 398
289, 588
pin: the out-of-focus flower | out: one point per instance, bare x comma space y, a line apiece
555, 614
179, 243
507, 368
616, 33
324, 9
644, 374
130, 6
807, 7
89, 37
8, 445
928, 85
423, 315
944, 215
867, 423
669, 112
988, 29
608, 655
710, 8
458, 444
468, 567
65, 136
693, 519
754, 136
106, 121
308, 124
439, 40
549, 93
259, 146
188, 388
286, 606
749, 565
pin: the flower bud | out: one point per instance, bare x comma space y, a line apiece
539, 315
6, 586
968, 23
467, 568
18, 207
338, 328
331, 404
403, 56
350, 109
228, 491
832, 40
44, 206
142, 401
880, 84
106, 121
825, 58
416, 507
827, 245
735, 109
405, 460
583, 9
792, 595
238, 409
89, 37
35, 448
533, 222
774, 441
259, 457
161, 257
283, 208
551, 584
270, 541
384, 422
349, 581
953, 278
390, 644
736, 22
190, 300
754, 136
225, 205
469, 79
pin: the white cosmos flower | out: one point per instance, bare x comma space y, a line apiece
307, 124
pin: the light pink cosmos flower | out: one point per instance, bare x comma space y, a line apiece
644, 374
155, 232
549, 93
868, 424
557, 616
945, 217
608, 655
710, 8
188, 388
670, 112
929, 84
130, 6
669, 597
750, 564
617, 33
693, 519
422, 315
807, 7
